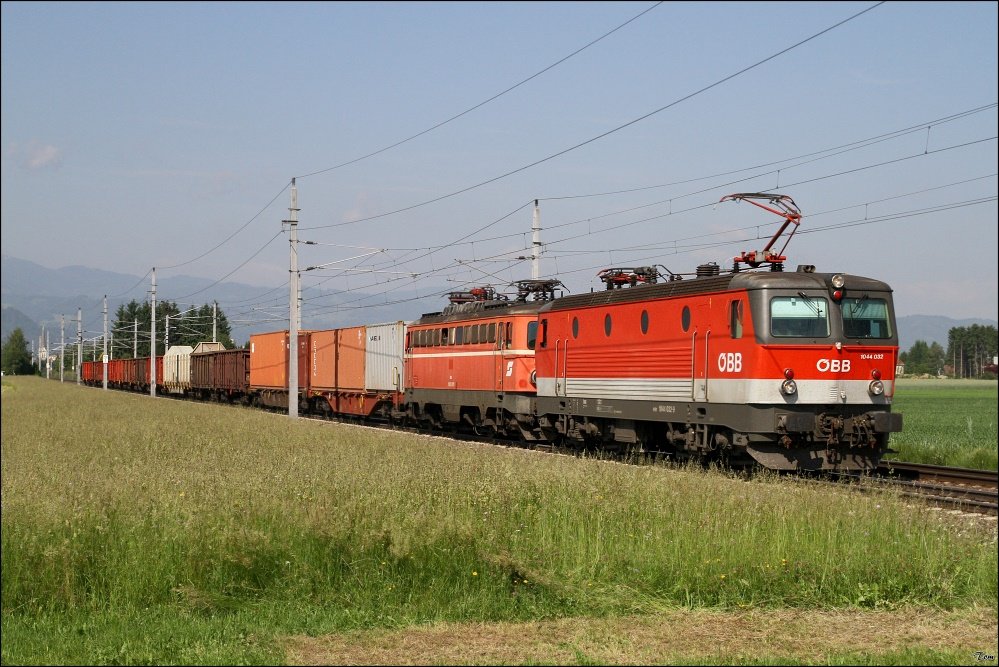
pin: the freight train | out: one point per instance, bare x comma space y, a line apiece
789, 370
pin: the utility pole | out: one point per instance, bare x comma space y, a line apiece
79, 344
293, 315
215, 315
536, 243
105, 355
135, 340
48, 357
166, 334
62, 345
152, 342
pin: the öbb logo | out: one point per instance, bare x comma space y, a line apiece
730, 362
833, 365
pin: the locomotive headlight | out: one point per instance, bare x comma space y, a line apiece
876, 374
789, 373
534, 377
877, 388
789, 387
838, 281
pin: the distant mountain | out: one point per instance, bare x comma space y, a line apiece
930, 329
41, 295
12, 318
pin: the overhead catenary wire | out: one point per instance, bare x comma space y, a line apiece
552, 156
487, 101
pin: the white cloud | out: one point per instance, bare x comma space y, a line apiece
32, 156
39, 156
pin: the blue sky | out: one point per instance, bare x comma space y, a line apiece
140, 135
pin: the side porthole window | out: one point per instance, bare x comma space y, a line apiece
645, 321
575, 327
607, 324
735, 318
685, 318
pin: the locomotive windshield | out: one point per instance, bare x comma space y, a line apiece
799, 316
864, 317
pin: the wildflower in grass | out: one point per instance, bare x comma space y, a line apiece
723, 577
474, 573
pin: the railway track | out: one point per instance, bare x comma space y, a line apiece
957, 488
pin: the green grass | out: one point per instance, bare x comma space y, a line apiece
947, 422
194, 533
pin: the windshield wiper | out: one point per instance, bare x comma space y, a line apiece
811, 304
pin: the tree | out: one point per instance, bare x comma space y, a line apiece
971, 349
16, 355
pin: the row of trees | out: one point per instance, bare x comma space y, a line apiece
130, 331
129, 336
969, 354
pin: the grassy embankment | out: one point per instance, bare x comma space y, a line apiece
200, 534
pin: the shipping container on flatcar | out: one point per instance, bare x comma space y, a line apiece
337, 366
177, 369
357, 371
269, 367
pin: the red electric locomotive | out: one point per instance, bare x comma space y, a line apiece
792, 369
473, 363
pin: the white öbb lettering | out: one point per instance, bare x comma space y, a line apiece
833, 365
730, 362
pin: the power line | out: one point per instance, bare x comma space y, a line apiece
608, 132
483, 103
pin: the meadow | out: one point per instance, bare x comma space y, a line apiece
140, 531
947, 422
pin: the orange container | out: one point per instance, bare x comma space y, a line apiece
322, 360
350, 347
269, 360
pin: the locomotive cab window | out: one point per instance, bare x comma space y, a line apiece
864, 317
735, 318
532, 334
800, 316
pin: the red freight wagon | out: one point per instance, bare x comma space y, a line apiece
92, 372
221, 374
